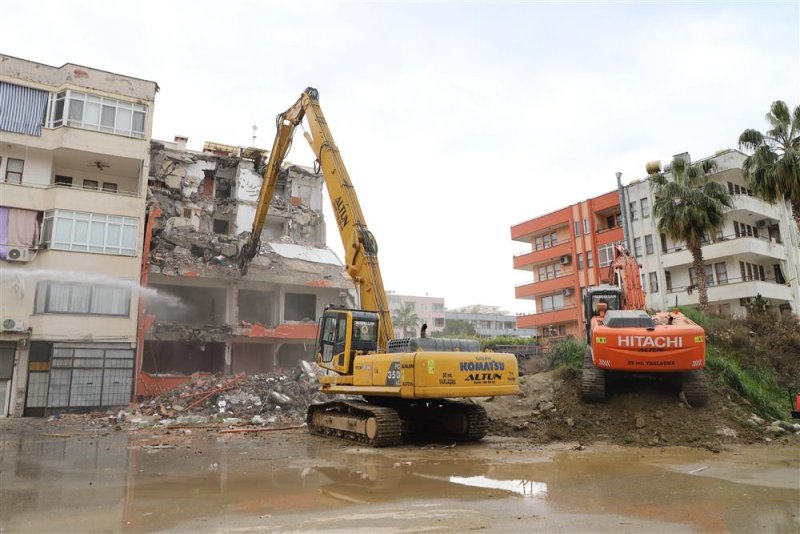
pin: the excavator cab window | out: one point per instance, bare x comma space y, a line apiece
333, 336
611, 300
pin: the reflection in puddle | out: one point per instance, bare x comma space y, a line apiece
526, 488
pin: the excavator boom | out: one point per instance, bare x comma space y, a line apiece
360, 247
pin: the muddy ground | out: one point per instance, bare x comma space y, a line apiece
640, 411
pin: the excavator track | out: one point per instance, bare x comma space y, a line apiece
593, 380
444, 419
695, 387
356, 421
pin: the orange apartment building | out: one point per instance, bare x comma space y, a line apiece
571, 249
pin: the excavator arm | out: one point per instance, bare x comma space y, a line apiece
360, 247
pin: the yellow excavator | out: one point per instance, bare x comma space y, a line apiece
407, 386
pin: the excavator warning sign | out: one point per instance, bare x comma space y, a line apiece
699, 339
431, 367
600, 340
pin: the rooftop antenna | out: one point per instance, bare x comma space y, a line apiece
255, 128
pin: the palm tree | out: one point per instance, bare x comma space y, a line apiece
689, 207
407, 319
773, 168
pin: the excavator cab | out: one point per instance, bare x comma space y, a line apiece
344, 333
611, 296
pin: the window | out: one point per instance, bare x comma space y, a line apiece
82, 110
546, 240
109, 187
761, 273
90, 232
632, 207
542, 273
637, 246
553, 239
589, 259
605, 255
14, 170
90, 184
644, 282
538, 243
709, 276
653, 282
730, 188
553, 302
63, 180
742, 271
645, 208
648, 243
579, 257
220, 226
577, 229
663, 242
585, 226
721, 270
668, 280
82, 299
749, 271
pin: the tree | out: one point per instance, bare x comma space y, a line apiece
406, 319
459, 328
773, 168
691, 207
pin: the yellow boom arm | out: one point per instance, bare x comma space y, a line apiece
360, 247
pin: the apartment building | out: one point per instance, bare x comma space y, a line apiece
756, 253
429, 310
206, 316
74, 162
489, 321
571, 249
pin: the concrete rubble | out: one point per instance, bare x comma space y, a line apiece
274, 399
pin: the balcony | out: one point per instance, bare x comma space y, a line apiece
755, 205
732, 290
47, 197
567, 314
525, 231
609, 235
726, 247
527, 260
532, 289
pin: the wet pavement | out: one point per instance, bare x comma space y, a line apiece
291, 481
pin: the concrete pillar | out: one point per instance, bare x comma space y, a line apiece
232, 309
228, 356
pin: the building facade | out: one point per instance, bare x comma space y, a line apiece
756, 253
205, 316
74, 162
571, 248
490, 321
429, 310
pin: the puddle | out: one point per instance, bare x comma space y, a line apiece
116, 483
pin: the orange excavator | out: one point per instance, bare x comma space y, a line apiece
623, 338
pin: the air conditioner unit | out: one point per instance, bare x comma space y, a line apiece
565, 260
762, 223
13, 325
568, 292
19, 254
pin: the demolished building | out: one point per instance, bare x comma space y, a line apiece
204, 315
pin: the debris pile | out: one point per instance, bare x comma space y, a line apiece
262, 399
179, 247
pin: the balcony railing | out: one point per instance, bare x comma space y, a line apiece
728, 245
540, 287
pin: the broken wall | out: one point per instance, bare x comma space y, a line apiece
198, 305
182, 357
252, 358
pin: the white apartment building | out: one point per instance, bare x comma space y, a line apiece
430, 311
74, 163
757, 252
490, 321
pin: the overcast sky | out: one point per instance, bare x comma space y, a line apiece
455, 120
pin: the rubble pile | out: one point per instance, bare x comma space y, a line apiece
262, 399
184, 247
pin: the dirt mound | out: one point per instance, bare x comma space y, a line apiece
640, 411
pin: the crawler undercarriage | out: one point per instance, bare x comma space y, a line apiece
384, 421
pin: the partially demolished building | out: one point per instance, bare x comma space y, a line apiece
206, 317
